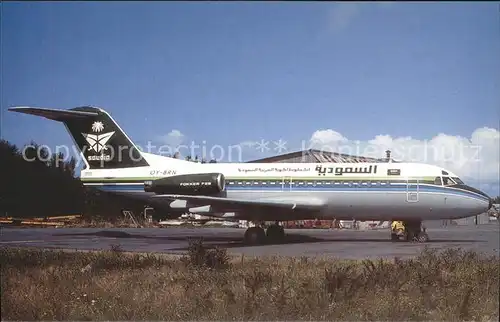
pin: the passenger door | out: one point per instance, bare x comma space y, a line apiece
412, 190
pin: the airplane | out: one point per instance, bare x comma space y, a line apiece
258, 192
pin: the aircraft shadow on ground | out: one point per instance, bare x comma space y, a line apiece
237, 241
298, 239
290, 238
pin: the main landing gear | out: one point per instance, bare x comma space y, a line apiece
409, 231
258, 235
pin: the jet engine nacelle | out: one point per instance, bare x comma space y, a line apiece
188, 184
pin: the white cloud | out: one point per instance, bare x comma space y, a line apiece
328, 139
174, 138
476, 158
175, 134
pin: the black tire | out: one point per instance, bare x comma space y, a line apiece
423, 237
254, 236
410, 236
275, 234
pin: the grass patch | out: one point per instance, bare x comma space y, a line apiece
209, 285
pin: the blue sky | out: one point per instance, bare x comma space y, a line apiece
227, 73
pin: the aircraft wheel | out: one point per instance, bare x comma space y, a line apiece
423, 237
255, 236
275, 233
412, 231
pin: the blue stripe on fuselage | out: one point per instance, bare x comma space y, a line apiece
317, 188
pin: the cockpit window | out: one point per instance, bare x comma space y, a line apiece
437, 181
457, 180
447, 181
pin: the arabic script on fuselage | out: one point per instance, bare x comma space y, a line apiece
338, 171
274, 169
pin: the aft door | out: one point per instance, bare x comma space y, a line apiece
412, 190
286, 184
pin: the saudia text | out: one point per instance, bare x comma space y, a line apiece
103, 157
348, 170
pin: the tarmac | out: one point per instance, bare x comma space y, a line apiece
347, 244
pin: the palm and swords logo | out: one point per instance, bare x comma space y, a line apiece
97, 142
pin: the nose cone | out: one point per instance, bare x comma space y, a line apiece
486, 201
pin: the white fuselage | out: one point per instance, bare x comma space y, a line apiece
364, 191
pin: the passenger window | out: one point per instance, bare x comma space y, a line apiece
437, 181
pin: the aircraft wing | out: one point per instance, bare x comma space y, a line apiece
264, 209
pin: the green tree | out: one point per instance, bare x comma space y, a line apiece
36, 183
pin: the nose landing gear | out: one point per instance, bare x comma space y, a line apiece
409, 231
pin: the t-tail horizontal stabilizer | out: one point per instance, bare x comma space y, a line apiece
102, 143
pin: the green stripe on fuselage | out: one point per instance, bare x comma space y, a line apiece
274, 178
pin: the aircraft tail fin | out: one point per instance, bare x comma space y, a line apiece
101, 141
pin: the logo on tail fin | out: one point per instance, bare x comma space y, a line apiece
97, 142
97, 126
